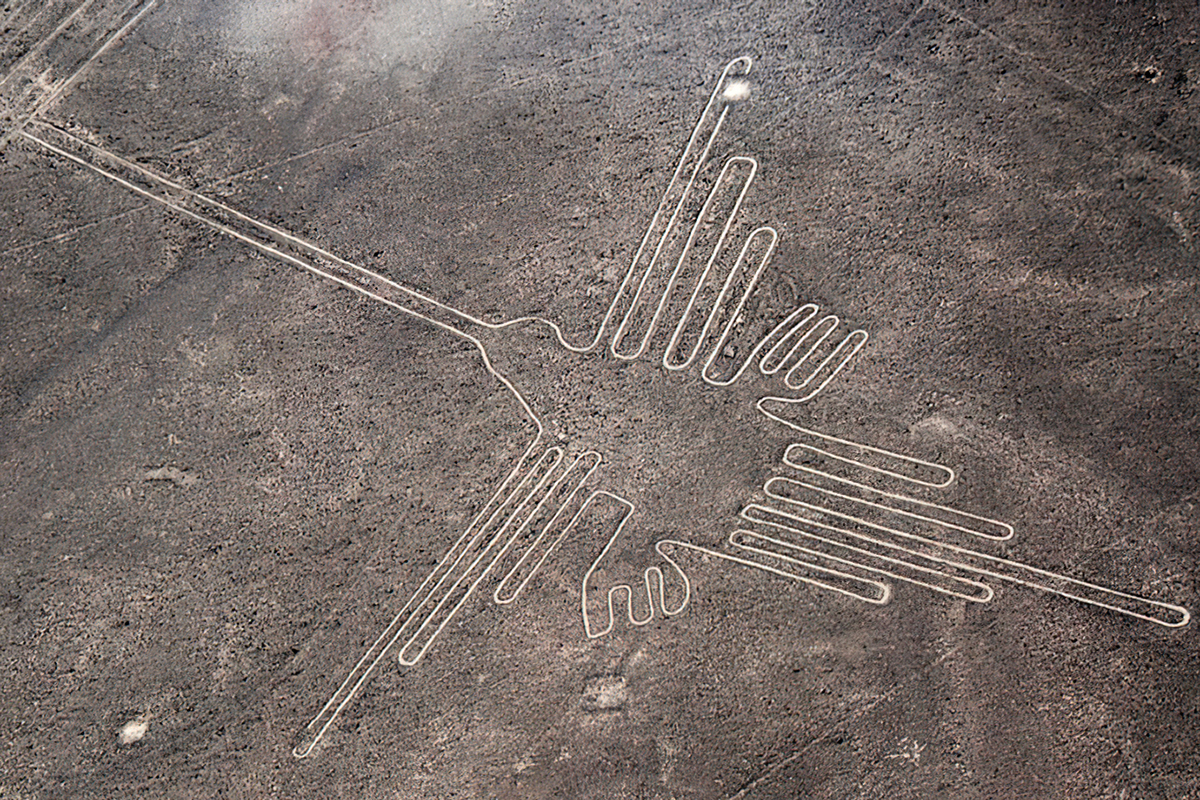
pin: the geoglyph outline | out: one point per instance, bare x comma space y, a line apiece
553, 472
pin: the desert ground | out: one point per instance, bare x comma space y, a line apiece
351, 446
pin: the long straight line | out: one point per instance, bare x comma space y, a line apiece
45, 42
69, 232
21, 121
1033, 60
274, 242
268, 238
857, 63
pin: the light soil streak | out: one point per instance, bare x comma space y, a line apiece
39, 48
60, 87
67, 234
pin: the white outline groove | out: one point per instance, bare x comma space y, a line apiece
541, 501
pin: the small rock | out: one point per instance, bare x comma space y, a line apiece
172, 474
133, 731
607, 693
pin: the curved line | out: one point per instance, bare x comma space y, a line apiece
737, 312
885, 591
744, 63
662, 587
1184, 614
812, 310
700, 282
902, 512
841, 364
634, 305
988, 593
950, 474
587, 628
549, 550
829, 319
